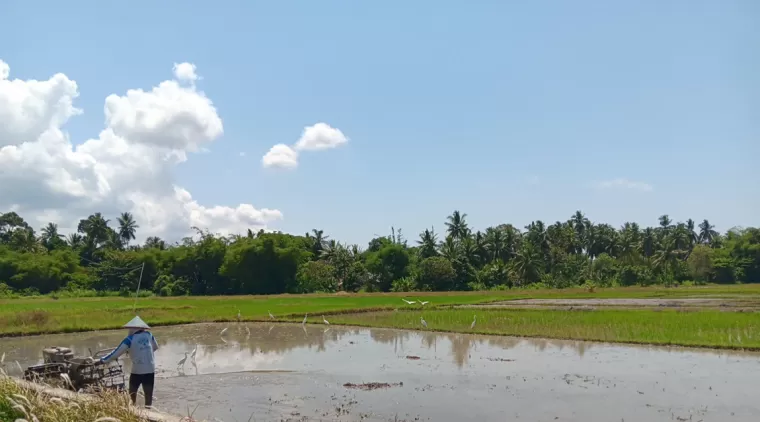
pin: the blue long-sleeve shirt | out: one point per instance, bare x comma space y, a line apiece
141, 347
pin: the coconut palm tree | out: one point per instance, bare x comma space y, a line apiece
127, 227
707, 232
50, 237
75, 240
456, 225
95, 228
155, 242
428, 243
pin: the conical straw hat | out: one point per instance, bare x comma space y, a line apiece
137, 322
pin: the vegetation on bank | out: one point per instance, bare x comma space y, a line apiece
18, 403
101, 257
668, 327
39, 315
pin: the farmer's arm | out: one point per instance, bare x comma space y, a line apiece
153, 343
123, 347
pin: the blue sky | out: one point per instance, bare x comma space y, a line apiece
508, 111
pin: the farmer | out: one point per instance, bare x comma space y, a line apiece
141, 345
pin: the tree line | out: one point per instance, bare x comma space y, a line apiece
101, 256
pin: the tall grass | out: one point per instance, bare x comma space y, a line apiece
17, 402
735, 330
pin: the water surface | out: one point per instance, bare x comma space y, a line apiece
290, 372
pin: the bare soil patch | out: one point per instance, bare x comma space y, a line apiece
369, 386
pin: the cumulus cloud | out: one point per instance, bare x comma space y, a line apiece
624, 184
127, 167
280, 155
185, 72
318, 137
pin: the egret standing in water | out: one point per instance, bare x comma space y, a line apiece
224, 331
182, 362
325, 321
270, 315
304, 319
474, 319
424, 324
239, 316
192, 354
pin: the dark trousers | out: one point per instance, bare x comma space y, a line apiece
146, 380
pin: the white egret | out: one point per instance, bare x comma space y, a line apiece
182, 361
239, 316
474, 319
2, 359
247, 330
424, 303
270, 315
325, 321
304, 319
224, 331
424, 324
409, 302
192, 354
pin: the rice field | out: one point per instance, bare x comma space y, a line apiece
735, 330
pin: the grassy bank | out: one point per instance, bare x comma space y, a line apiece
48, 315
17, 403
700, 328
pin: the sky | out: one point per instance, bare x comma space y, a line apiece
353, 117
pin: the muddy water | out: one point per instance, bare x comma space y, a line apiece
286, 372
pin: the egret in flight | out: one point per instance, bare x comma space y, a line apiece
409, 302
424, 303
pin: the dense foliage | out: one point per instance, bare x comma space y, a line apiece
100, 257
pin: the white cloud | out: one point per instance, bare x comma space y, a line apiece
624, 184
282, 156
241, 153
127, 167
185, 72
320, 136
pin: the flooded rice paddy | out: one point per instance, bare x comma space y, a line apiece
274, 372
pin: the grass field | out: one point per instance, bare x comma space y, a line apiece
705, 328
701, 328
